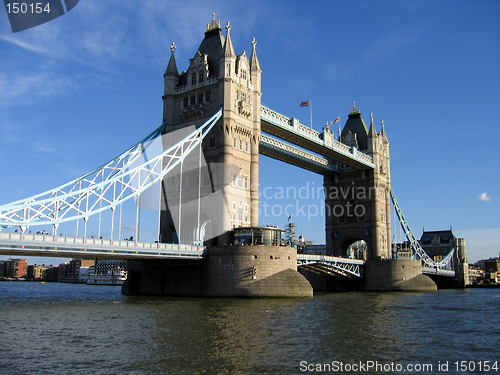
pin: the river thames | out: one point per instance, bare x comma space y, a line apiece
57, 328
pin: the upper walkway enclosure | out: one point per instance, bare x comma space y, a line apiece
289, 129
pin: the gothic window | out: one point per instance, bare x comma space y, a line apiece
208, 96
234, 143
193, 100
243, 96
243, 74
381, 193
201, 77
241, 144
193, 79
186, 102
246, 146
246, 183
200, 98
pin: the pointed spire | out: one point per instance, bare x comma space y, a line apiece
383, 134
228, 49
254, 61
372, 132
172, 66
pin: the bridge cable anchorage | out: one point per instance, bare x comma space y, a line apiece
123, 178
416, 248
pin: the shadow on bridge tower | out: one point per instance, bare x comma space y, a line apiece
357, 202
216, 77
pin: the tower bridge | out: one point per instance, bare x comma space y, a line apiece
204, 176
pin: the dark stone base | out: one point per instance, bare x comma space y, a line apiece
229, 271
389, 275
164, 278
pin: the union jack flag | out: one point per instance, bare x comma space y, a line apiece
305, 104
334, 121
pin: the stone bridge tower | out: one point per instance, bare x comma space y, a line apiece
216, 77
357, 203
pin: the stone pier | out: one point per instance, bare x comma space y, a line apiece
388, 275
228, 271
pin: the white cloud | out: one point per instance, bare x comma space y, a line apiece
21, 87
44, 148
483, 197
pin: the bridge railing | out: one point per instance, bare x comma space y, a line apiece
48, 239
328, 258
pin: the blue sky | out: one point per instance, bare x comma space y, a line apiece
79, 90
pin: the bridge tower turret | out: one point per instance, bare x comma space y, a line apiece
217, 77
357, 203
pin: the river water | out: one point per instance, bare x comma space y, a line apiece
57, 328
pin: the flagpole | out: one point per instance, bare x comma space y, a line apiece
311, 111
340, 132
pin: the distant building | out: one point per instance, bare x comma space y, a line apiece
71, 271
51, 274
3, 267
105, 266
492, 270
438, 244
36, 272
61, 271
15, 268
476, 274
313, 249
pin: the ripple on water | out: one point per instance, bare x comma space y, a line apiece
97, 330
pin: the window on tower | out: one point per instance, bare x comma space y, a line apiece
193, 79
201, 77
243, 74
200, 98
208, 96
